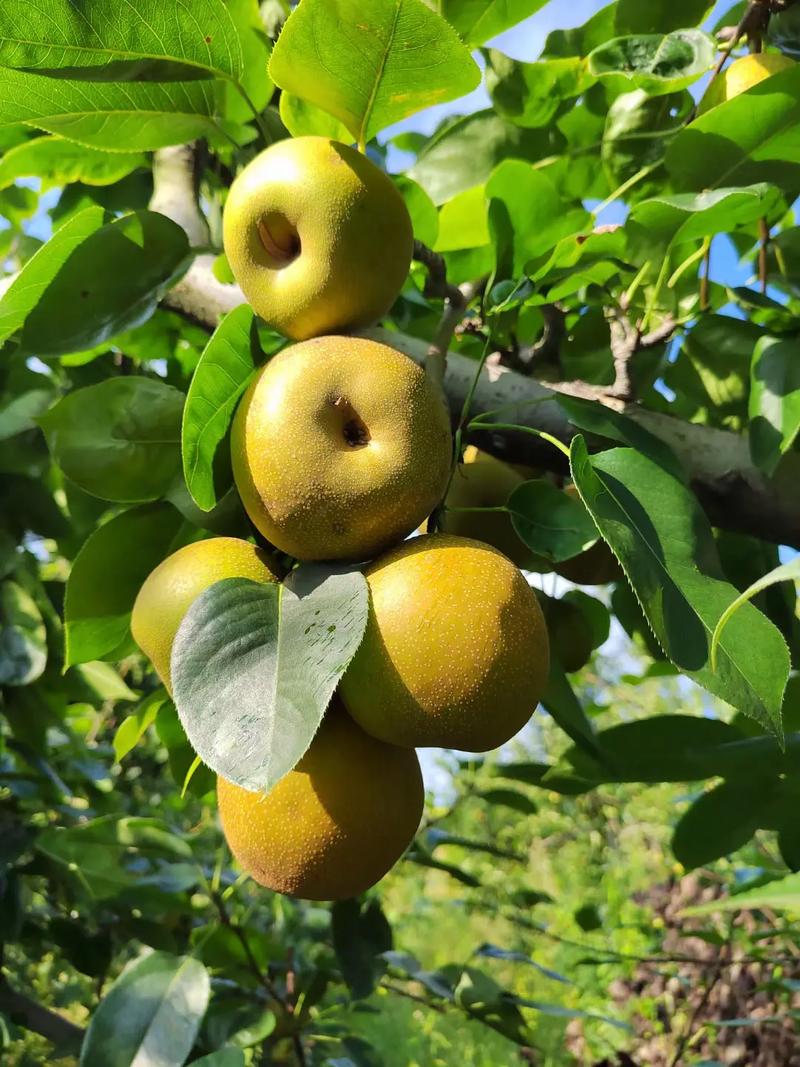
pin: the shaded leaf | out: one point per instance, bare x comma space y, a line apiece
656, 529
658, 64
663, 15
721, 821
774, 400
552, 523
57, 161
226, 368
360, 933
107, 574
151, 1014
531, 94
23, 638
119, 440
479, 20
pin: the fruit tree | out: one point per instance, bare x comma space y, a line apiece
384, 396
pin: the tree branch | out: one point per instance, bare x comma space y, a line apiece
455, 302
736, 495
37, 1018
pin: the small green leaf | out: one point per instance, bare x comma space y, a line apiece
782, 893
23, 638
479, 20
466, 152
226, 368
111, 282
509, 798
360, 933
254, 667
658, 64
56, 161
132, 729
721, 821
532, 94
304, 119
371, 62
151, 1014
774, 400
751, 138
117, 116
672, 220
560, 702
656, 529
27, 288
153, 39
788, 572
550, 522
119, 440
632, 16
107, 574
424, 216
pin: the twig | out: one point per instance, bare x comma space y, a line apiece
37, 1018
263, 978
626, 340
705, 281
455, 299
548, 348
687, 1034
412, 996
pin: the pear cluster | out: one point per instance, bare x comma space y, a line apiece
341, 448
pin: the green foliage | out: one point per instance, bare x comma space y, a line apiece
529, 890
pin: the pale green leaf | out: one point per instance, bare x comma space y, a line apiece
787, 572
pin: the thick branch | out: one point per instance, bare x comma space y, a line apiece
735, 494
38, 1019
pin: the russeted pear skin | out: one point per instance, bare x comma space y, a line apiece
334, 825
482, 481
340, 448
317, 236
455, 652
169, 591
742, 75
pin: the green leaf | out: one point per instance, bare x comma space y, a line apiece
531, 94
638, 131
560, 702
254, 667
782, 893
632, 16
111, 855
721, 821
119, 440
57, 161
509, 798
117, 116
107, 574
656, 529
21, 412
652, 62
424, 217
788, 572
774, 400
360, 932
664, 221
158, 40
27, 288
111, 282
466, 152
371, 62
151, 1014
482, 998
597, 419
479, 20
226, 368
719, 354
23, 638
303, 119
103, 682
550, 522
751, 138
224, 1057
188, 775
134, 727
255, 50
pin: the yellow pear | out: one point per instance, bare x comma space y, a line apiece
340, 448
334, 825
317, 236
455, 652
741, 75
596, 566
175, 584
486, 482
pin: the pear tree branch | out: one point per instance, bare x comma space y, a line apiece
35, 1017
455, 299
734, 492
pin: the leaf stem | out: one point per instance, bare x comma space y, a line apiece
626, 186
515, 428
262, 129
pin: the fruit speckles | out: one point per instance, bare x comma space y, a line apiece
434, 598
336, 823
340, 448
